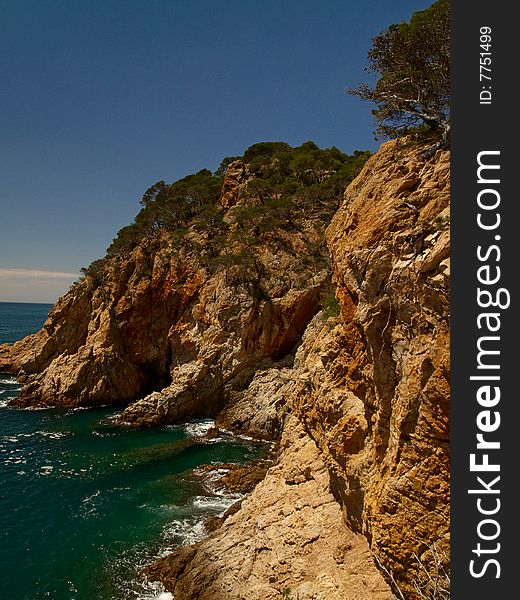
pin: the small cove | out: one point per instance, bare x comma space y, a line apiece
85, 505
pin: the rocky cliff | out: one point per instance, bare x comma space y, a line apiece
288, 539
209, 283
232, 316
377, 401
368, 434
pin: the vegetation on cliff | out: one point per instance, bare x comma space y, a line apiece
282, 188
200, 320
364, 408
282, 181
217, 273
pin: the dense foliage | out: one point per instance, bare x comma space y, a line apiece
412, 62
169, 207
283, 184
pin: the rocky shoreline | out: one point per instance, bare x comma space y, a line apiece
355, 390
289, 535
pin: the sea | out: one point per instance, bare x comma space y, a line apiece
85, 505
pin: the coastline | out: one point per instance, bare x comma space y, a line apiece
42, 456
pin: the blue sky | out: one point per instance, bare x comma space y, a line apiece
102, 98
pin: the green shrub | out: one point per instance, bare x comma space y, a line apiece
95, 272
330, 305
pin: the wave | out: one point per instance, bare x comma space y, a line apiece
89, 504
152, 590
215, 503
137, 586
52, 435
159, 596
212, 476
183, 532
9, 381
239, 436
178, 533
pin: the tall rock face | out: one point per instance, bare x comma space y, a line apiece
287, 540
376, 397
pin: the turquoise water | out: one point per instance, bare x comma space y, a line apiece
84, 505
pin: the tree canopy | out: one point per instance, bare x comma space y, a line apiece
282, 180
412, 61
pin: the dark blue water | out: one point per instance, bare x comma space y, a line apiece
18, 319
83, 505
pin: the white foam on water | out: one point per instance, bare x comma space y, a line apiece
199, 428
238, 436
153, 590
215, 503
90, 504
215, 475
8, 396
183, 532
53, 435
16, 460
68, 473
91, 497
173, 427
103, 433
46, 470
177, 533
10, 381
211, 482
139, 587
